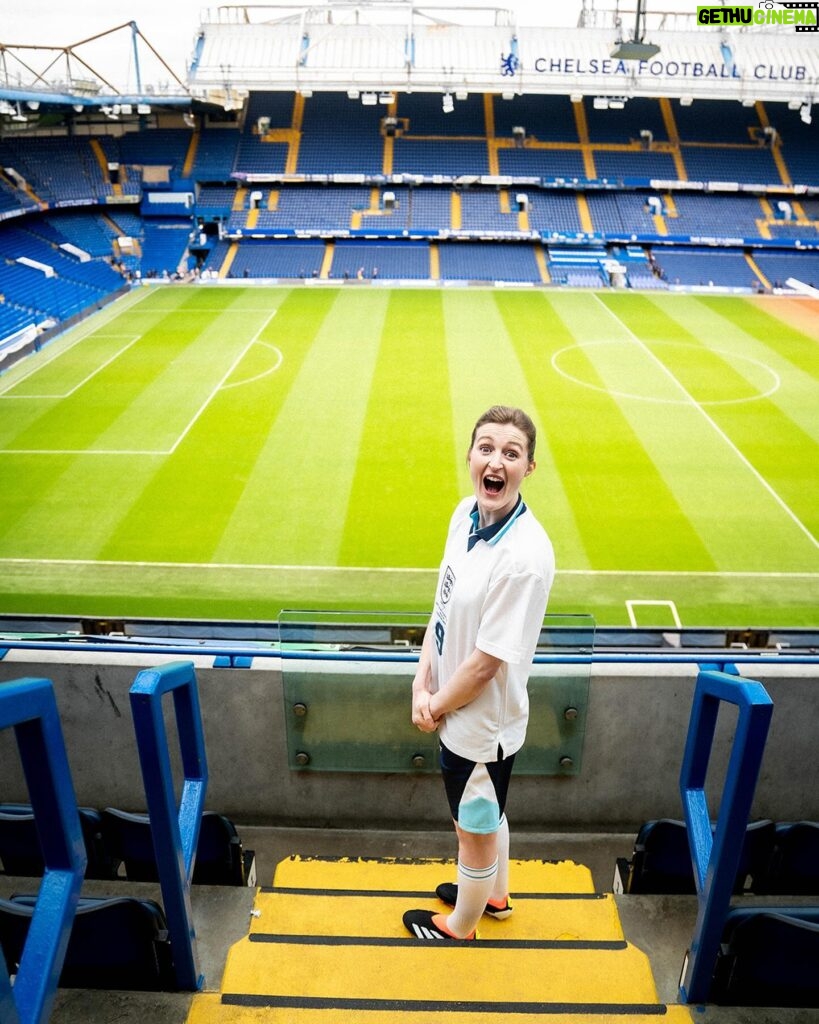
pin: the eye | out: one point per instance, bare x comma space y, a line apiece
512, 454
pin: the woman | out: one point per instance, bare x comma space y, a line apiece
470, 685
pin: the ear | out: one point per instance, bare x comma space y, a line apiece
531, 469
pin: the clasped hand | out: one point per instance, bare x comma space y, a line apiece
421, 713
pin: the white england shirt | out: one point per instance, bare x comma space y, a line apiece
491, 595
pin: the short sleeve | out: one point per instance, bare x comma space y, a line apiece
512, 617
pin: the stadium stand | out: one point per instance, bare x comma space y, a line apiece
705, 190
661, 859
20, 852
116, 943
220, 856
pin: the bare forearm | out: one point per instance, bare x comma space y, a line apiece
423, 674
468, 681
421, 689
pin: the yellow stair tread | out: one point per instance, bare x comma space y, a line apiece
327, 946
589, 918
409, 970
209, 1009
359, 874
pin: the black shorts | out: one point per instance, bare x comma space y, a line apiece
476, 791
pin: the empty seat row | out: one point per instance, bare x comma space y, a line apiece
768, 957
115, 943
777, 859
120, 844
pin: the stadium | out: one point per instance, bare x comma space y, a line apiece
248, 317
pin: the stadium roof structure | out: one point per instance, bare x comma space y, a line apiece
35, 77
400, 46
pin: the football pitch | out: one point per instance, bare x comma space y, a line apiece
229, 452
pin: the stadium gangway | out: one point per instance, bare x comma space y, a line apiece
30, 708
175, 830
715, 856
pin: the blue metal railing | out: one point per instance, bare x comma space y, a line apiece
175, 830
716, 855
29, 706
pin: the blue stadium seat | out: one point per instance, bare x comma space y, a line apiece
119, 943
220, 857
768, 957
661, 859
20, 844
794, 866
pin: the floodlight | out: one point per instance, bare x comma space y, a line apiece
33, 104
143, 108
386, 98
686, 101
448, 104
576, 97
633, 49
600, 103
369, 99
805, 114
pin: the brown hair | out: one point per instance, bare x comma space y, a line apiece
509, 414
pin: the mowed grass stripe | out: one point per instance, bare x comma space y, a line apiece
116, 409
65, 504
623, 504
797, 395
779, 434
182, 512
294, 505
773, 445
404, 487
485, 370
761, 322
800, 314
767, 370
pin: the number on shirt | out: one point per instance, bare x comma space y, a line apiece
439, 636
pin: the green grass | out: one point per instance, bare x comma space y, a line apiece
230, 452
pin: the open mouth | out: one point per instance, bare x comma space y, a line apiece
492, 484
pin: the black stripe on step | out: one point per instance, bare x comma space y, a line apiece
363, 940
424, 893
441, 1006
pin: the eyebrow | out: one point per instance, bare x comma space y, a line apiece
504, 444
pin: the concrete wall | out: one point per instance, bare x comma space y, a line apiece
635, 732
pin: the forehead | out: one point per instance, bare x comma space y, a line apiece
501, 434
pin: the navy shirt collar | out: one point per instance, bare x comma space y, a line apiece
493, 533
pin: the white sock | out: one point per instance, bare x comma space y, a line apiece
474, 889
500, 889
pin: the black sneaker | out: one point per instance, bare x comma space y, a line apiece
419, 923
448, 893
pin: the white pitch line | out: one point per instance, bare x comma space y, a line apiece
93, 373
85, 330
273, 567
185, 432
221, 384
779, 500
